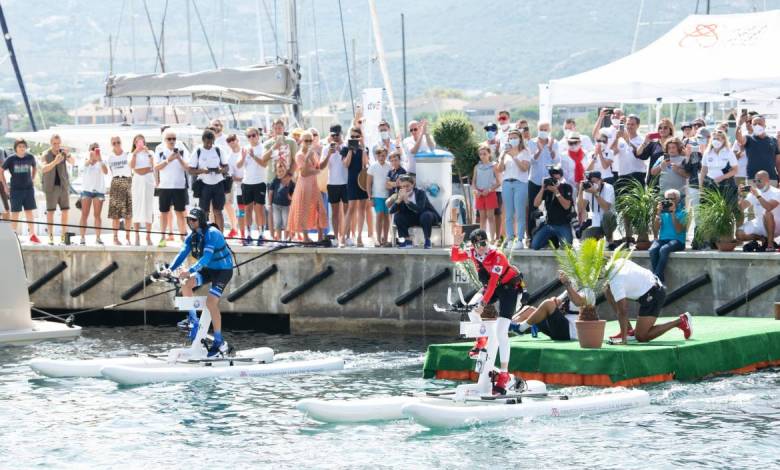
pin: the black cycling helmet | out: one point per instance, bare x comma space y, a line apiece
196, 213
477, 235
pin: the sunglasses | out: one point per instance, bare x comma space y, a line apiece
354, 137
116, 143
414, 129
251, 136
525, 129
481, 243
664, 127
308, 141
171, 139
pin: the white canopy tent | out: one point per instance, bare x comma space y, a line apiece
705, 58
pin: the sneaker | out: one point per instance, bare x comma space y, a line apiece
99, 241
427, 245
218, 347
247, 241
34, 239
51, 240
349, 242
478, 347
162, 243
617, 337
515, 328
518, 245
500, 385
82, 242
232, 233
405, 244
260, 241
686, 324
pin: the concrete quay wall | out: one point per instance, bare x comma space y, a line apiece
375, 310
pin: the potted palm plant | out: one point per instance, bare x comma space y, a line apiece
637, 204
590, 271
716, 218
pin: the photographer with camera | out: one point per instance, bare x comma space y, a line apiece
595, 199
765, 200
670, 223
556, 194
172, 190
56, 183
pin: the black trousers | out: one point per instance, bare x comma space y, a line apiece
403, 220
533, 190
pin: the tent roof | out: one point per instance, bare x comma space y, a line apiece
704, 58
263, 84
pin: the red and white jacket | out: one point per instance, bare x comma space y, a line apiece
493, 268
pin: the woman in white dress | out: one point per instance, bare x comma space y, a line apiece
142, 164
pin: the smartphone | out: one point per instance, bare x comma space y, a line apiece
354, 143
609, 111
667, 158
654, 135
97, 151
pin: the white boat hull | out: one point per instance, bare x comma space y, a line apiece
92, 367
452, 415
129, 375
40, 331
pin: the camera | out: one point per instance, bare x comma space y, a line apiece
744, 188
587, 185
549, 181
609, 111
666, 205
176, 150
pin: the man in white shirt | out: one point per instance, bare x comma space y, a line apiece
170, 162
210, 165
220, 139
419, 142
633, 282
337, 181
378, 194
765, 200
569, 129
630, 167
596, 198
254, 162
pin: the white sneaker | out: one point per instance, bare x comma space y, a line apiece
349, 242
518, 245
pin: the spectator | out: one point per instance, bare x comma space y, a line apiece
670, 224
687, 132
386, 141
504, 119
297, 135
486, 180
171, 166
355, 159
396, 170
93, 191
56, 183
631, 166
5, 207
280, 196
492, 142
495, 145
254, 186
337, 182
142, 164
279, 147
556, 194
210, 166
544, 153
602, 157
596, 199
235, 196
220, 139
698, 123
670, 170
411, 208
514, 164
23, 170
760, 148
378, 194
120, 200
608, 117
692, 166
525, 131
765, 201
307, 211
741, 177
653, 146
419, 142
719, 166
569, 129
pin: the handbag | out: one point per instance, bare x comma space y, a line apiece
197, 183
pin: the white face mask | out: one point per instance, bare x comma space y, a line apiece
574, 148
717, 144
758, 130
514, 142
385, 135
544, 134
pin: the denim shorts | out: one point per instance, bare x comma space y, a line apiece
93, 195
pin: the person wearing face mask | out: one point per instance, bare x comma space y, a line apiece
495, 145
719, 166
385, 141
595, 199
761, 149
514, 165
765, 201
692, 166
602, 157
544, 153
569, 129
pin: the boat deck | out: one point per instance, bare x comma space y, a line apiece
719, 345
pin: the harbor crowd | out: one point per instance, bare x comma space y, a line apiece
528, 188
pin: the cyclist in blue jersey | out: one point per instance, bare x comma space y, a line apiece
214, 265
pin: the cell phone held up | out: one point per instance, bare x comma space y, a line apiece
353, 144
744, 188
654, 135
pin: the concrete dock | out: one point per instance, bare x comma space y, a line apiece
407, 284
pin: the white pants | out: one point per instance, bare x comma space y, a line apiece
142, 191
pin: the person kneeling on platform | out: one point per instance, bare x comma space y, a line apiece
214, 265
558, 201
555, 316
633, 282
411, 208
501, 281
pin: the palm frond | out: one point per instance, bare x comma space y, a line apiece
588, 267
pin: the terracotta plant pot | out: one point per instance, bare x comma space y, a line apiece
591, 333
643, 245
726, 245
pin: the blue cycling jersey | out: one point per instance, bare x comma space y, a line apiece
210, 247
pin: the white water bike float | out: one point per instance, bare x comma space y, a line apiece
183, 364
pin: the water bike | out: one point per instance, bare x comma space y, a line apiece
183, 364
472, 403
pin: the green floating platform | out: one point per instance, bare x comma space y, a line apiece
718, 345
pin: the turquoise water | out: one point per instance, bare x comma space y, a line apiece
252, 423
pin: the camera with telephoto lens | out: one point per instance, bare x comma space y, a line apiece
744, 188
666, 205
549, 181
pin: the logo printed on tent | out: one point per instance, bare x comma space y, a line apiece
703, 35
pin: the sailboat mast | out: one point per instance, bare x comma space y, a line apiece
292, 56
18, 72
